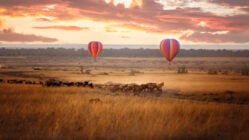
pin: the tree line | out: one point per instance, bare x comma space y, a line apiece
124, 52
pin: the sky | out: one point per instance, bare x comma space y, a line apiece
124, 21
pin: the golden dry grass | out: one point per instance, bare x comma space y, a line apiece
35, 112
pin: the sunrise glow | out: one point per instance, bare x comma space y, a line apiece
124, 21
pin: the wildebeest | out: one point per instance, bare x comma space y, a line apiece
57, 83
91, 85
136, 89
41, 83
69, 84
15, 81
53, 83
95, 100
28, 82
83, 84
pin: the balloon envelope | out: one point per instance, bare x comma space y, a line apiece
169, 48
95, 48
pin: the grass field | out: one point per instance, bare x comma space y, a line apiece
38, 112
195, 105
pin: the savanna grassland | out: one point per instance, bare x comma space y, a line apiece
65, 113
196, 105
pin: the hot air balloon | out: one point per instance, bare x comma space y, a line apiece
169, 48
95, 48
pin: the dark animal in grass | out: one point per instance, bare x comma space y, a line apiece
53, 83
15, 81
28, 82
95, 100
41, 83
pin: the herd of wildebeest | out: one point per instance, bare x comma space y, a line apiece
131, 89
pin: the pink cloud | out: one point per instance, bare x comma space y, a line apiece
11, 36
72, 28
231, 2
149, 17
44, 19
233, 36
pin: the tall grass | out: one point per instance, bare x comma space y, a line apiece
34, 112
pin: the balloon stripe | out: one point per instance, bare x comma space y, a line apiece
171, 49
168, 49
92, 47
163, 48
97, 48
100, 49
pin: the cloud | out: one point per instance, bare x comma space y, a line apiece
232, 36
11, 3
44, 19
231, 2
68, 28
155, 19
137, 26
242, 5
149, 13
10, 36
246, 9
142, 15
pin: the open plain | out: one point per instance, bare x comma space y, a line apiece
208, 100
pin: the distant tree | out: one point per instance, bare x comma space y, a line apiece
124, 52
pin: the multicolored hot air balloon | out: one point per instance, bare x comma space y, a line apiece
169, 48
95, 48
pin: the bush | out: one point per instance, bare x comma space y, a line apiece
245, 71
212, 72
182, 70
88, 72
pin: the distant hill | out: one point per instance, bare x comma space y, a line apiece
125, 52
